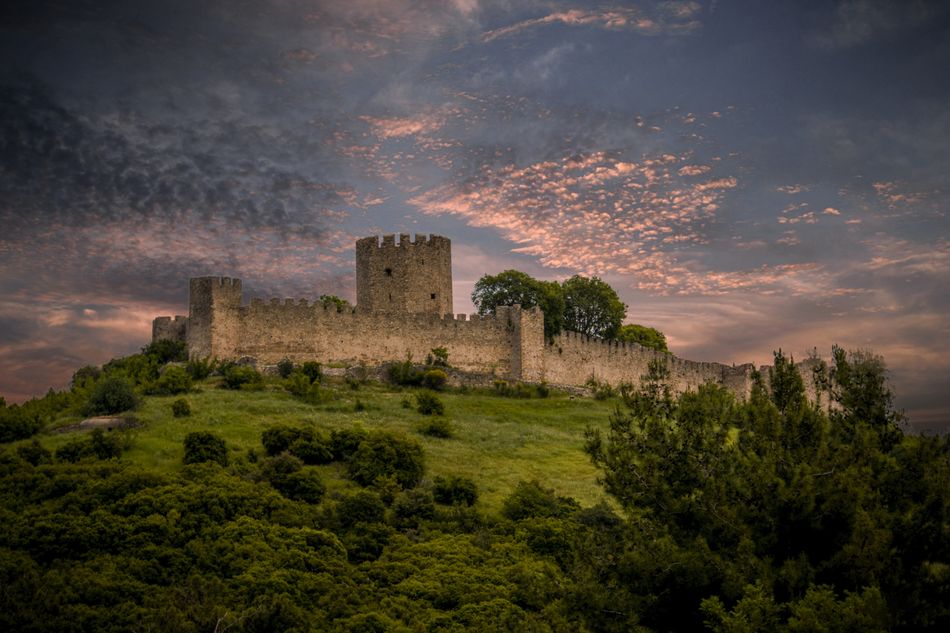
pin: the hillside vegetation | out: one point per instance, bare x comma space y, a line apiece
306, 503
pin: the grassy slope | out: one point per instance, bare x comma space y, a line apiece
497, 441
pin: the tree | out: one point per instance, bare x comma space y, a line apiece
512, 287
643, 335
592, 307
112, 394
202, 446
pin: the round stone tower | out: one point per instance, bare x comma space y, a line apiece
408, 276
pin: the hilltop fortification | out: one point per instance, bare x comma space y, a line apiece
404, 306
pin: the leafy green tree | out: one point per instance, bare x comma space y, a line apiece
172, 381
512, 287
642, 335
112, 394
202, 446
387, 454
166, 351
592, 307
859, 387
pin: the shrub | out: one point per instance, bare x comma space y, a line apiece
34, 453
454, 490
16, 423
181, 408
74, 450
602, 390
436, 427
381, 454
312, 370
405, 373
277, 469
363, 507
202, 446
440, 357
529, 499
106, 446
434, 379
242, 377
427, 403
345, 442
278, 439
516, 389
166, 351
302, 485
312, 449
298, 384
359, 406
415, 504
172, 381
112, 394
285, 367
200, 368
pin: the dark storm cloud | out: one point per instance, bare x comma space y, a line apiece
58, 167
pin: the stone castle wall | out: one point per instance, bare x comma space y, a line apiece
574, 358
404, 298
271, 331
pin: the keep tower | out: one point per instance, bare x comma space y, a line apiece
408, 276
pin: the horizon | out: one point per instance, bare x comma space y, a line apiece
748, 177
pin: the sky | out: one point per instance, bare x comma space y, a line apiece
748, 175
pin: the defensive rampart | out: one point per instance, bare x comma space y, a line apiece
574, 358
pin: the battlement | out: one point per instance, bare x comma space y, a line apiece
404, 307
420, 240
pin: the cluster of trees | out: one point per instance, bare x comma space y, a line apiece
114, 388
581, 304
770, 514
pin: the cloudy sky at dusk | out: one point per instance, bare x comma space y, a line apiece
749, 175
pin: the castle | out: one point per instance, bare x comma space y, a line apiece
404, 306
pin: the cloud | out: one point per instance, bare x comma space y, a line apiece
857, 22
669, 18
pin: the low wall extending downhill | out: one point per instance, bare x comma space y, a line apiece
573, 359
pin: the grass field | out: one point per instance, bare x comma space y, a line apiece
496, 441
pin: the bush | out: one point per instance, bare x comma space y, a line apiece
74, 450
298, 384
34, 453
434, 379
519, 390
166, 351
181, 408
439, 357
312, 370
602, 390
436, 427
242, 377
285, 367
381, 454
277, 469
412, 505
345, 442
112, 394
172, 381
454, 490
106, 446
312, 449
302, 485
427, 403
278, 439
405, 373
16, 423
202, 446
530, 500
200, 368
363, 507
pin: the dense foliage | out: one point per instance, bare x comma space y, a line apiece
768, 514
581, 304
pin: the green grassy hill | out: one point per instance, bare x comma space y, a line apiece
497, 441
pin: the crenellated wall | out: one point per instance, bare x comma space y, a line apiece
404, 295
573, 359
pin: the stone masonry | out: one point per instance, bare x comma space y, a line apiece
404, 307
